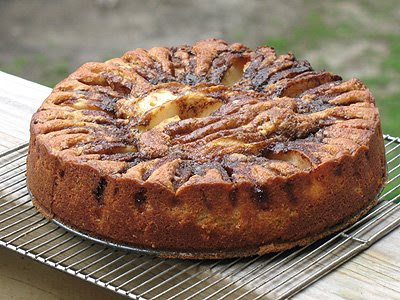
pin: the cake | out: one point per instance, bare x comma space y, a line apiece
203, 151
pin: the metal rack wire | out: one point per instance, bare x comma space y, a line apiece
277, 276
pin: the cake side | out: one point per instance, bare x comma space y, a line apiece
204, 217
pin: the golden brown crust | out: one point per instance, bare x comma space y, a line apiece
273, 247
206, 148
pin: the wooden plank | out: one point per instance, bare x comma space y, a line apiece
22, 278
374, 274
19, 99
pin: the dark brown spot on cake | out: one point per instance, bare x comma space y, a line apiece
205, 199
116, 191
367, 155
259, 194
338, 170
289, 188
140, 197
174, 201
260, 197
357, 173
99, 191
233, 196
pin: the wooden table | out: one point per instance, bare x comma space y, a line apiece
373, 274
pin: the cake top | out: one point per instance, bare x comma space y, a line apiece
214, 107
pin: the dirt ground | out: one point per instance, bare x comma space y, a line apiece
44, 40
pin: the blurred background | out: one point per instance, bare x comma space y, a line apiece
44, 40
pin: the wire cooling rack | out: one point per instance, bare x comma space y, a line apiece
276, 276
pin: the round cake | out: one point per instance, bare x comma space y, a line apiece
210, 150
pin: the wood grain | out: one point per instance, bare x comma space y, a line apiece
373, 274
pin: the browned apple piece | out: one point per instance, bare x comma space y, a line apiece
167, 106
294, 157
235, 72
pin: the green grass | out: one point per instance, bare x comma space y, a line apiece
392, 61
38, 67
387, 88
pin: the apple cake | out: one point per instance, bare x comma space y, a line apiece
210, 150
